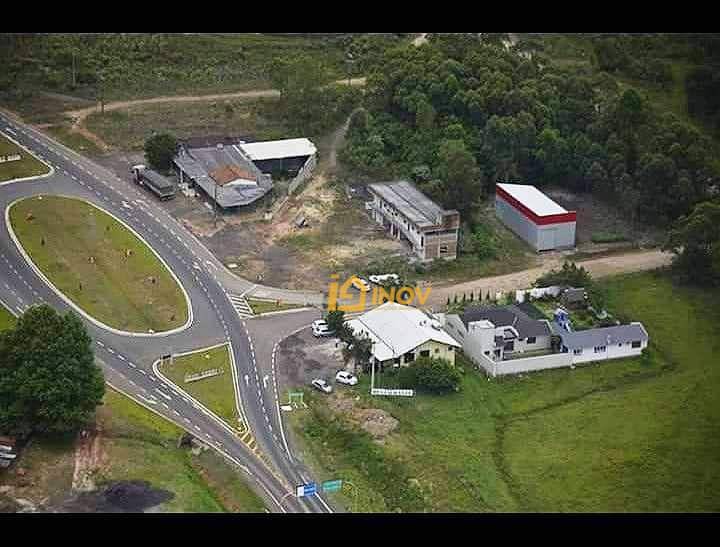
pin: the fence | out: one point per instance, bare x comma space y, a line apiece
11, 157
304, 174
202, 375
537, 293
526, 364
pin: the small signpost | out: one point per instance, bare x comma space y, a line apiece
296, 398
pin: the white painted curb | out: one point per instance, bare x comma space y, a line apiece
77, 308
50, 173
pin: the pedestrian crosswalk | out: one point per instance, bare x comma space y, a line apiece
241, 306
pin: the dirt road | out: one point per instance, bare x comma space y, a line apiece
78, 116
598, 267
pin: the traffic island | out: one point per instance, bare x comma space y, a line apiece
99, 265
206, 376
18, 163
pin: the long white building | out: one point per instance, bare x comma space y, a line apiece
536, 218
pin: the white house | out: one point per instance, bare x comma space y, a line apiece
604, 343
400, 334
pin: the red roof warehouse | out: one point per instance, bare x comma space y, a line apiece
533, 216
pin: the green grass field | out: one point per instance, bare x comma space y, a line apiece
115, 289
142, 446
28, 166
7, 319
73, 140
634, 435
217, 393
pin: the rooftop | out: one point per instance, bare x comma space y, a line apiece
271, 150
411, 202
507, 316
533, 199
396, 329
607, 336
211, 166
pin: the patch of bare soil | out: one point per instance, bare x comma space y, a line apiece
378, 423
302, 358
90, 458
117, 497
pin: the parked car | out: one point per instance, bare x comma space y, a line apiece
344, 377
321, 385
321, 328
387, 280
361, 285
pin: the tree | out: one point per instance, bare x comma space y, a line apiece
695, 241
160, 150
336, 323
49, 381
570, 275
458, 172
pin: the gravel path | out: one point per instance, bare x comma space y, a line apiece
598, 267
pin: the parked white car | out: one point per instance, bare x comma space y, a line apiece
344, 377
321, 385
360, 284
321, 328
385, 280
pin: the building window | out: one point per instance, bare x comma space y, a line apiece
422, 242
599, 349
637, 344
531, 340
487, 353
437, 350
409, 357
396, 361
443, 249
577, 351
425, 353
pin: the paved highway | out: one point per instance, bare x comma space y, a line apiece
127, 361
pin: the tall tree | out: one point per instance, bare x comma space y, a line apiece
695, 240
49, 381
160, 150
457, 170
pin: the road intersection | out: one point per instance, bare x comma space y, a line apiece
127, 360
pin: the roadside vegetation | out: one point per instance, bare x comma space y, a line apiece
99, 264
27, 166
7, 319
217, 392
268, 306
638, 434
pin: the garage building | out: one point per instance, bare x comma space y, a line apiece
536, 218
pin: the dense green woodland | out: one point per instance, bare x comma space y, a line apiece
463, 102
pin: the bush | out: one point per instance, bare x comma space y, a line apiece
431, 375
568, 276
160, 150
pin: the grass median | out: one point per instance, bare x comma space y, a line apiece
217, 392
99, 264
27, 166
7, 319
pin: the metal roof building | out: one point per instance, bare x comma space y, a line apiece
408, 214
536, 218
273, 150
224, 172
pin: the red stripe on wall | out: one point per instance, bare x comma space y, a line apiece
570, 216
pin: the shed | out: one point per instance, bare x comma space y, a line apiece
535, 217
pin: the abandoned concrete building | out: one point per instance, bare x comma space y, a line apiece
409, 215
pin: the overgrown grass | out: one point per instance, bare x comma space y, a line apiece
73, 140
128, 129
608, 237
638, 434
82, 250
27, 166
217, 392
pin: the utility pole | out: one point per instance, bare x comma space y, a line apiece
215, 207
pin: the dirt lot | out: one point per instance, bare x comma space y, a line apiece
302, 358
596, 217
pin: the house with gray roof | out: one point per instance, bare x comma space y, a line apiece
498, 332
603, 343
505, 340
408, 215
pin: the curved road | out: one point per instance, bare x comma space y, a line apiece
127, 361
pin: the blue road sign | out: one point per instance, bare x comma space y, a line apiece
306, 490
